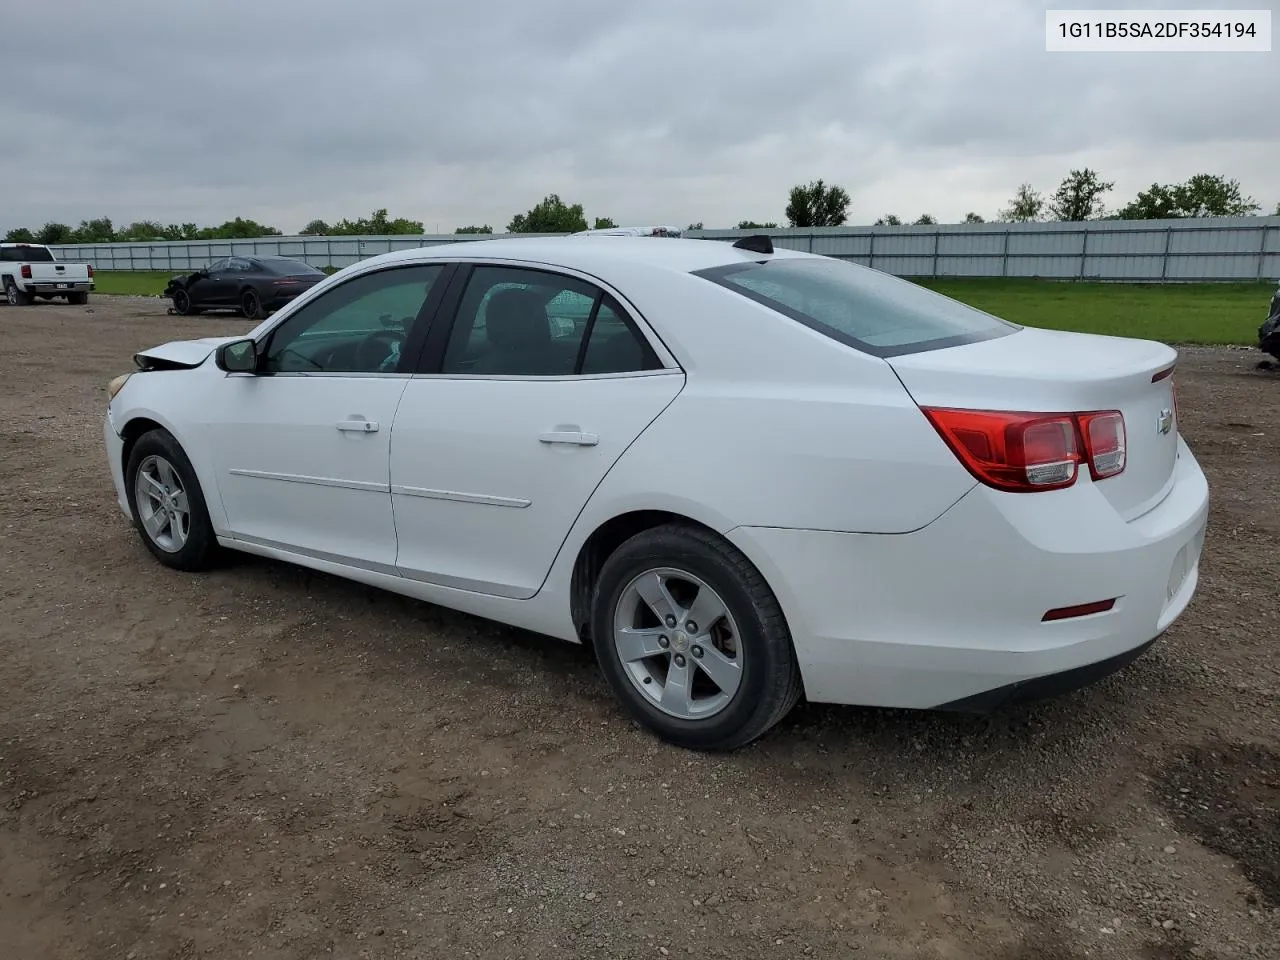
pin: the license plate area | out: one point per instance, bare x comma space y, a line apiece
63, 286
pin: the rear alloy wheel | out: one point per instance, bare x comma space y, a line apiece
167, 504
14, 296
251, 305
692, 639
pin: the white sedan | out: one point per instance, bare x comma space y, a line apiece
741, 474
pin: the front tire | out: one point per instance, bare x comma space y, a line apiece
692, 640
182, 303
16, 297
167, 504
251, 305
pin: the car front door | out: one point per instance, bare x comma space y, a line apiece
209, 288
302, 445
520, 409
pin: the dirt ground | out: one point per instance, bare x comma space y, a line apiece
266, 762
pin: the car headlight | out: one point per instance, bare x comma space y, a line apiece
115, 385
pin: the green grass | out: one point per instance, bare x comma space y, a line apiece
1174, 313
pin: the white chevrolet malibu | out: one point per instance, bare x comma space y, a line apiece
741, 474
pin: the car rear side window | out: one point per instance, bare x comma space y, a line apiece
871, 311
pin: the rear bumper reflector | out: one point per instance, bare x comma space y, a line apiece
1080, 610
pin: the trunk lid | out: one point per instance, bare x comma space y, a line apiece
1046, 371
54, 272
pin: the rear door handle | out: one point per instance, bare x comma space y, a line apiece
575, 437
357, 425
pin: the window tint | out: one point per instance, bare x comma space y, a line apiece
614, 347
531, 323
23, 254
872, 311
239, 265
289, 268
217, 266
358, 327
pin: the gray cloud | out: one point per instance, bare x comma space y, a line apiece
469, 112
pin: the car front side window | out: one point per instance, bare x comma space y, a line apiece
359, 327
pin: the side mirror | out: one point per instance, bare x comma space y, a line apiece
241, 356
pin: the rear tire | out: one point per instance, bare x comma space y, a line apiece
658, 661
77, 299
167, 504
16, 297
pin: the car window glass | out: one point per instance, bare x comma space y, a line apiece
240, 265
614, 346
216, 267
516, 322
358, 327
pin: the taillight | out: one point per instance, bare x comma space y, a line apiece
1025, 452
91, 271
1104, 442
26, 271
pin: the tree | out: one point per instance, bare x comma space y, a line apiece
889, 220
100, 230
972, 217
925, 220
141, 230
238, 229
1204, 195
694, 226
1026, 205
552, 215
1079, 196
316, 228
817, 205
752, 225
20, 235
377, 225
604, 223
485, 229
55, 233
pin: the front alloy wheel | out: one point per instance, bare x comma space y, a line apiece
163, 507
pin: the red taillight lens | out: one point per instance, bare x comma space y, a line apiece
1104, 442
1011, 451
26, 271
1025, 452
91, 271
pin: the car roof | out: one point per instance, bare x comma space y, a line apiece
588, 253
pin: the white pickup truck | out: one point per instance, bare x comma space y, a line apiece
30, 270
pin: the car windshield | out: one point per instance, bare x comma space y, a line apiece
288, 268
866, 309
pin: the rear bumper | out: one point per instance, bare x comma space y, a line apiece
55, 287
951, 616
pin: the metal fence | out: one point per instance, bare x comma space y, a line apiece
1217, 249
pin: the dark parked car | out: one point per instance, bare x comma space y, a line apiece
254, 286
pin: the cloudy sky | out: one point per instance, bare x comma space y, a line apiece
468, 111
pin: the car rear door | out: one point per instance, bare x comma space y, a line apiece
523, 404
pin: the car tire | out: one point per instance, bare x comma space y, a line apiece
160, 482
16, 297
674, 679
77, 299
182, 304
251, 305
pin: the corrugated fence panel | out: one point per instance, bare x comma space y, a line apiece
1222, 248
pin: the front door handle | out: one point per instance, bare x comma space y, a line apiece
357, 426
575, 437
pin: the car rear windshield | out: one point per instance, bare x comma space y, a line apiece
866, 309
289, 268
25, 254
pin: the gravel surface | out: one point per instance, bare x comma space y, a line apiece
267, 762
